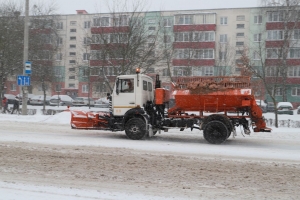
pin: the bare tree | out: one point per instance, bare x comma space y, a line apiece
11, 39
225, 60
127, 44
43, 46
268, 58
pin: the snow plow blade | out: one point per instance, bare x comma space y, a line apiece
89, 120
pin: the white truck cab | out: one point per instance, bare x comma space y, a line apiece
131, 91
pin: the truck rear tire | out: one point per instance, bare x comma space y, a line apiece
135, 129
215, 132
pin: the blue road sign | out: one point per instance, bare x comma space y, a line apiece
27, 67
23, 80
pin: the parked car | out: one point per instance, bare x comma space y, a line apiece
83, 101
270, 107
285, 108
10, 98
102, 103
39, 100
298, 110
61, 100
262, 105
29, 96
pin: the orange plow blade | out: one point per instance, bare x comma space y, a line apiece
89, 120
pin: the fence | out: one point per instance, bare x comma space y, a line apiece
283, 123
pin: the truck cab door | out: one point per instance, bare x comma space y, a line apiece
124, 96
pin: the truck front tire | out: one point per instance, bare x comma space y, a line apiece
135, 129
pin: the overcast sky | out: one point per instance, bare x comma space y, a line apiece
95, 6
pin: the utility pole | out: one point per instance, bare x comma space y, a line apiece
25, 57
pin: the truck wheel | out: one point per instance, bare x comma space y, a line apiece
135, 129
222, 118
215, 132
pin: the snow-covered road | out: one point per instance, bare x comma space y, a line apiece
42, 158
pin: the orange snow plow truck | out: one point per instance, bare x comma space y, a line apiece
215, 105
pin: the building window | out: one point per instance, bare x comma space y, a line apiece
184, 19
102, 21
59, 56
239, 52
275, 35
294, 71
274, 53
272, 71
85, 89
71, 77
203, 71
58, 88
73, 23
166, 72
240, 34
57, 72
59, 41
151, 28
257, 37
240, 26
72, 46
223, 38
195, 37
258, 19
240, 18
296, 34
256, 56
223, 20
13, 87
86, 40
85, 72
72, 53
150, 70
167, 22
59, 25
278, 92
86, 56
73, 30
121, 20
71, 85
295, 91
181, 71
239, 43
87, 24
40, 87
151, 21
73, 38
203, 53
222, 55
294, 53
182, 53
167, 38
275, 16
72, 61
72, 69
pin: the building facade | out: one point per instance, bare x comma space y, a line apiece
200, 43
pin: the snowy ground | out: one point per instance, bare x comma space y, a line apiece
41, 157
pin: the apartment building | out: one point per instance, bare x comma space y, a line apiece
204, 43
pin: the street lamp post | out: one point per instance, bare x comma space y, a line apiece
25, 57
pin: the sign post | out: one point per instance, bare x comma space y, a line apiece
25, 58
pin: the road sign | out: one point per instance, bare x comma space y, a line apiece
27, 67
23, 80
